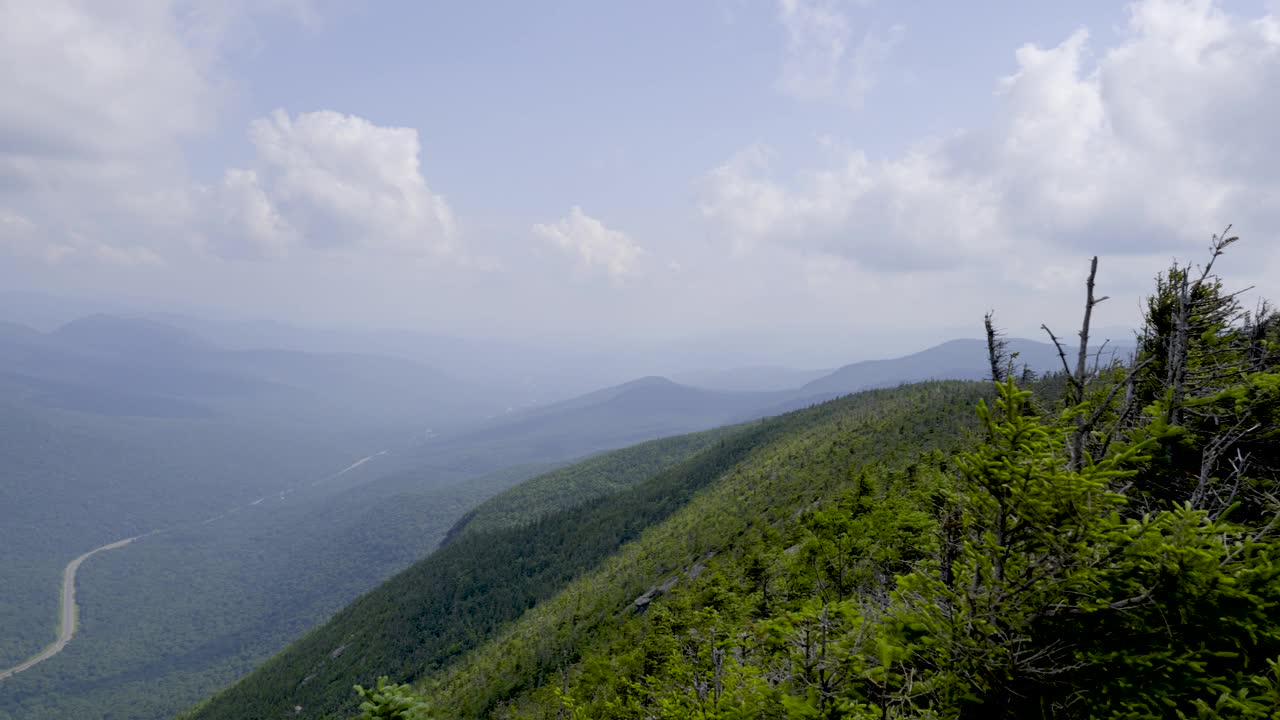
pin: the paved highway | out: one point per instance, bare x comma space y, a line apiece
67, 626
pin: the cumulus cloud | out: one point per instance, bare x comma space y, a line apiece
18, 237
595, 244
94, 117
1143, 148
243, 219
95, 81
95, 127
825, 58
93, 111
21, 237
886, 214
329, 180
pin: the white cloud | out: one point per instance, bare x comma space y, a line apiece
96, 80
126, 255
886, 214
21, 237
1146, 149
95, 114
825, 58
593, 242
328, 180
18, 237
244, 222
95, 127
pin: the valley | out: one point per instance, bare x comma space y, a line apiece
210, 593
569, 360
917, 551
67, 611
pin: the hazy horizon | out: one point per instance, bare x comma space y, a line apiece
438, 342
687, 356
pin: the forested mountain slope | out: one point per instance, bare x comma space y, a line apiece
194, 608
267, 528
71, 482
1109, 550
429, 616
865, 439
584, 481
605, 419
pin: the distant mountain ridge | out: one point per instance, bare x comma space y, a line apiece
136, 365
758, 378
636, 411
701, 498
12, 330
652, 407
962, 359
133, 337
138, 374
112, 365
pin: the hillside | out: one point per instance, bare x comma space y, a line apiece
570, 360
16, 331
653, 407
1107, 549
583, 482
270, 532
873, 439
135, 337
1100, 543
612, 417
271, 525
354, 527
87, 480
457, 598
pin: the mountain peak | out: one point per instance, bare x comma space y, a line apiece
126, 335
15, 330
958, 359
649, 381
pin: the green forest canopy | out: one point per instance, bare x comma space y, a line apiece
1097, 543
1110, 554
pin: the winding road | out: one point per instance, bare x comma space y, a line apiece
67, 613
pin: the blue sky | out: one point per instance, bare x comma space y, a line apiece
617, 105
837, 178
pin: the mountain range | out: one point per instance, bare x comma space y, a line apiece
326, 472
110, 365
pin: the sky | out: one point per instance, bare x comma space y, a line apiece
823, 179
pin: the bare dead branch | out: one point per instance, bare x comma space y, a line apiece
1062, 354
997, 348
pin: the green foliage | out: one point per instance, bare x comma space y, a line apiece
1207, 376
74, 482
1006, 581
455, 599
391, 702
1055, 591
732, 552
1052, 602
136, 631
427, 619
582, 481
1103, 545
